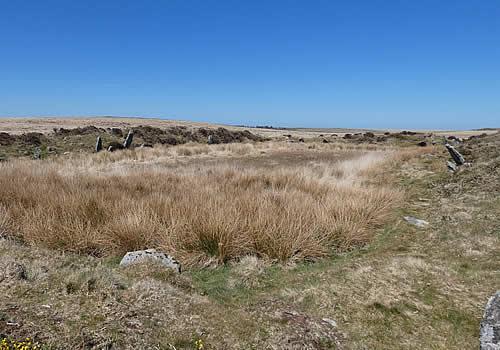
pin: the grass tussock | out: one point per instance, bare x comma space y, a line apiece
200, 214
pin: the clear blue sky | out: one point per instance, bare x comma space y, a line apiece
373, 63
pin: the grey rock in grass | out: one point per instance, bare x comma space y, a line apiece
210, 139
330, 322
490, 324
457, 157
139, 256
38, 153
451, 166
98, 144
128, 141
415, 221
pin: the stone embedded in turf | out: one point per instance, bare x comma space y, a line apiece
451, 166
139, 256
415, 221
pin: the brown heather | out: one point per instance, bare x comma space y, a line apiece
107, 204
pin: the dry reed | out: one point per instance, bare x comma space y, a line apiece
198, 213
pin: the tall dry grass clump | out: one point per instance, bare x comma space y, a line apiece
198, 213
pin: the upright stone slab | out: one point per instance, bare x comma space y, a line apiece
150, 255
128, 141
490, 325
98, 144
457, 157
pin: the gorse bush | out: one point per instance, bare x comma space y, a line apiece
199, 214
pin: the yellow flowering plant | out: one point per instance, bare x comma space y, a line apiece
199, 344
10, 344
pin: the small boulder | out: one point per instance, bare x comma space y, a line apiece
490, 325
422, 144
139, 256
451, 166
114, 146
37, 154
415, 221
330, 322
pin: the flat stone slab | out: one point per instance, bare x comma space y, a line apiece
415, 221
490, 325
139, 256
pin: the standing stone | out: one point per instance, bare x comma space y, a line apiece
457, 157
210, 139
128, 140
98, 144
490, 325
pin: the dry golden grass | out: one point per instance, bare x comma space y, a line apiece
201, 212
